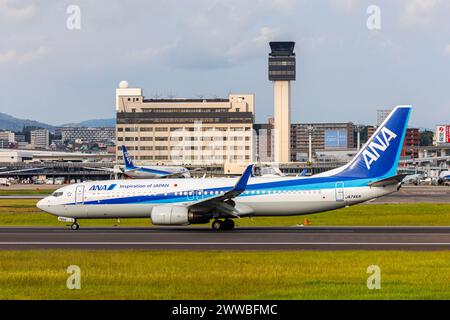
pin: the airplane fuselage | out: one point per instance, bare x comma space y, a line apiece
154, 172
262, 197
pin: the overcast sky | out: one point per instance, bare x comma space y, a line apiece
345, 71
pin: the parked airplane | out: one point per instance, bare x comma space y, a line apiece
444, 177
371, 174
137, 172
145, 172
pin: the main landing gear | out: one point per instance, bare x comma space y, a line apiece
226, 224
74, 226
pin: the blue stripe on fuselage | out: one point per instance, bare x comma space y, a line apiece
294, 184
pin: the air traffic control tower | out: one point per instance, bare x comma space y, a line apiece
282, 72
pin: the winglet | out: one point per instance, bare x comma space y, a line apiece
243, 180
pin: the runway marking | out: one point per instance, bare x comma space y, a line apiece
232, 243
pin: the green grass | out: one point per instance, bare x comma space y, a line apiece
224, 275
26, 192
23, 212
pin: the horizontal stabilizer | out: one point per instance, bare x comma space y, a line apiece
389, 181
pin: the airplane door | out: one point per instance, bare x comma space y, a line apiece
195, 195
79, 195
199, 194
339, 191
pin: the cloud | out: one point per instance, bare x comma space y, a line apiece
14, 10
224, 33
419, 13
447, 50
345, 5
146, 54
12, 57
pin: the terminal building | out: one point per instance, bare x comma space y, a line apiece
184, 131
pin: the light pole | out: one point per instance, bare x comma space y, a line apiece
310, 130
359, 127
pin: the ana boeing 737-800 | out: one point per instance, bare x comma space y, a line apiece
145, 172
371, 174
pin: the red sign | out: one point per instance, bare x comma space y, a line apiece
448, 133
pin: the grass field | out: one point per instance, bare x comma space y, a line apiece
27, 192
23, 212
224, 275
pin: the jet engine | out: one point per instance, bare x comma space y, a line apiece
177, 215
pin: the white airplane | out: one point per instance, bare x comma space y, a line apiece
145, 172
444, 177
371, 174
413, 179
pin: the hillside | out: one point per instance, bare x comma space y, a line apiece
8, 122
94, 123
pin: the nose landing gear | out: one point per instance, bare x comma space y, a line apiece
226, 224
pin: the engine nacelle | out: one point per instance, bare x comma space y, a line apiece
177, 215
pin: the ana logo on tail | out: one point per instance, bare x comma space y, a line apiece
127, 157
371, 154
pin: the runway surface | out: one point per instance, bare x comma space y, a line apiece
200, 238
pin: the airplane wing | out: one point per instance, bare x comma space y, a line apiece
172, 175
123, 170
112, 170
180, 174
221, 201
388, 181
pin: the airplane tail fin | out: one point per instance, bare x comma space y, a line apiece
128, 162
380, 155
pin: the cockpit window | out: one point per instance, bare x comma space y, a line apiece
57, 194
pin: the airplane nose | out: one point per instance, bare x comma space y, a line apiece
41, 204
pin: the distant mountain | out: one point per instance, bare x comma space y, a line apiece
94, 123
8, 122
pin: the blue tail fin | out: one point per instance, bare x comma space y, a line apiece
128, 162
379, 156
